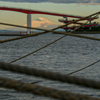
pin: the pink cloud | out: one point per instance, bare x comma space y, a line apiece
42, 22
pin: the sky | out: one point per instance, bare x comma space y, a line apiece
56, 1
72, 7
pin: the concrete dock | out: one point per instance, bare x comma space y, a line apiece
3, 34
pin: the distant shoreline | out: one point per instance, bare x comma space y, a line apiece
23, 33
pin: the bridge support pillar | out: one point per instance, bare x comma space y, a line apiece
90, 22
66, 18
28, 23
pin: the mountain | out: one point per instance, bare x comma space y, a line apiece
42, 23
39, 23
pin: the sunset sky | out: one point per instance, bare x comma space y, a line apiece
72, 7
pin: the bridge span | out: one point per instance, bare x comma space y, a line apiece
28, 11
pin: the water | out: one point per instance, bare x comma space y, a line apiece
64, 56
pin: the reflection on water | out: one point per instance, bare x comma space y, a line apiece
64, 56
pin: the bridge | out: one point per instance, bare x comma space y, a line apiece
29, 12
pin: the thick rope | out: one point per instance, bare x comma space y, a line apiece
50, 75
43, 91
62, 97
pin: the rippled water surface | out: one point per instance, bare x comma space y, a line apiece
64, 56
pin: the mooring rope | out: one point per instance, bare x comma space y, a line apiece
70, 34
49, 30
43, 91
50, 75
81, 36
40, 90
32, 34
29, 35
83, 68
48, 44
52, 30
36, 50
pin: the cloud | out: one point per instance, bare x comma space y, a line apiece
42, 23
56, 1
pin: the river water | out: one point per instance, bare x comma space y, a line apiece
64, 56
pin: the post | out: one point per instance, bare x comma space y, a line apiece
28, 23
66, 19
